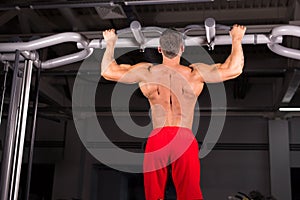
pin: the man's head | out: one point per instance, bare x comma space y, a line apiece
171, 43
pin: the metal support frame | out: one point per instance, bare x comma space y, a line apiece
210, 30
88, 4
136, 29
46, 42
23, 118
139, 40
7, 161
15, 134
33, 131
3, 89
281, 50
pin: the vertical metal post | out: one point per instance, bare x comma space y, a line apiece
23, 118
15, 134
6, 168
33, 131
3, 90
210, 30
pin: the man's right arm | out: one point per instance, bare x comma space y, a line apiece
232, 67
124, 73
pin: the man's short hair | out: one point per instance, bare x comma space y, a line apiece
170, 42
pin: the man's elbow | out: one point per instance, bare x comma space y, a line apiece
106, 72
103, 73
106, 76
238, 70
110, 76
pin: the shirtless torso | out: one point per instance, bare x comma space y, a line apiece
172, 89
172, 94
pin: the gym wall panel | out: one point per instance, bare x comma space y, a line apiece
224, 173
48, 130
238, 130
294, 126
68, 173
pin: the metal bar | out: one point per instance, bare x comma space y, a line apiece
189, 41
56, 62
284, 51
210, 30
33, 132
17, 134
251, 29
156, 2
64, 60
281, 50
24, 111
141, 41
90, 4
136, 30
10, 57
3, 90
44, 42
49, 41
70, 4
10, 137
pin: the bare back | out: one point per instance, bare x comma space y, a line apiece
172, 93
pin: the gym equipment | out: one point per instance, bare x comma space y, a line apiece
25, 56
138, 39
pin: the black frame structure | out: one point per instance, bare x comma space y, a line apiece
15, 131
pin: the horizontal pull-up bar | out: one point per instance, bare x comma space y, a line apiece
136, 37
189, 41
139, 40
281, 50
26, 47
44, 42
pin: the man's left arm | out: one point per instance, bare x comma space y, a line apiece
233, 65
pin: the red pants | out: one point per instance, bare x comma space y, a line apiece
179, 148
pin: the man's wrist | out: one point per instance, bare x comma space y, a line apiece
110, 44
237, 41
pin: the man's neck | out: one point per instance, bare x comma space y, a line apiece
171, 62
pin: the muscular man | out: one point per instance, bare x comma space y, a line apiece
172, 90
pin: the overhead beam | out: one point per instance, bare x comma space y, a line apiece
24, 23
39, 23
291, 84
75, 22
219, 15
7, 16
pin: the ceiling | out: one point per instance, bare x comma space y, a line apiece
269, 81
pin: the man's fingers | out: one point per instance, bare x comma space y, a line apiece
111, 30
109, 33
